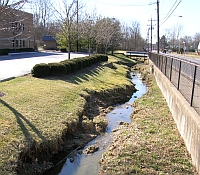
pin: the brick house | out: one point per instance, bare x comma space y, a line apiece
16, 29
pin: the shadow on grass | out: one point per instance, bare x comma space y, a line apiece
21, 120
83, 74
86, 74
122, 57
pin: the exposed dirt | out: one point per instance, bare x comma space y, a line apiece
98, 105
2, 94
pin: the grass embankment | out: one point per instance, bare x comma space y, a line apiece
151, 144
37, 114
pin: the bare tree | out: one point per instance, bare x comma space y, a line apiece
68, 18
196, 40
7, 6
117, 35
107, 29
87, 29
135, 29
132, 39
174, 34
125, 35
188, 42
43, 14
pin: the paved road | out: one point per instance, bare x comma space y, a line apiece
21, 64
186, 58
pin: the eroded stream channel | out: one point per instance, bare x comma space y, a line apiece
84, 164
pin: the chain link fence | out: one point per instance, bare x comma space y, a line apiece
184, 75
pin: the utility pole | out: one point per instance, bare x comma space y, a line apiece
158, 25
151, 34
151, 28
148, 39
77, 26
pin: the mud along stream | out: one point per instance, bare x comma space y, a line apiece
88, 164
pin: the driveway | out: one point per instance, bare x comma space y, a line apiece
20, 64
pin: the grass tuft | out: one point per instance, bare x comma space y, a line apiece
151, 144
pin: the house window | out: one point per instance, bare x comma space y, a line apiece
20, 43
13, 43
14, 25
17, 43
18, 26
23, 43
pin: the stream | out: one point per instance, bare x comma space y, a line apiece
89, 164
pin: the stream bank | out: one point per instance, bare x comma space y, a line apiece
151, 143
41, 114
98, 104
84, 164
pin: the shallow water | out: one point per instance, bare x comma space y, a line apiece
89, 164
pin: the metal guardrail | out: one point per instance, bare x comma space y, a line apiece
184, 75
136, 54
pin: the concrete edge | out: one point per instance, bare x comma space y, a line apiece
185, 117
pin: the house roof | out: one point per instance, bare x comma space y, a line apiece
48, 38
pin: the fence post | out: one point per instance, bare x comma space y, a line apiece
170, 77
193, 86
179, 75
161, 66
166, 66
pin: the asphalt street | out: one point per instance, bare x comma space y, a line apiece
20, 64
185, 58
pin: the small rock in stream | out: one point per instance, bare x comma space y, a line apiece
91, 149
123, 123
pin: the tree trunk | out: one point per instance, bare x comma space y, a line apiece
69, 49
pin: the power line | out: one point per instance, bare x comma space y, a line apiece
171, 13
170, 10
107, 3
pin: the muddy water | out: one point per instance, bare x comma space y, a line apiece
88, 164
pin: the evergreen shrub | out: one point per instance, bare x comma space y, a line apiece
73, 65
67, 65
79, 63
57, 69
41, 70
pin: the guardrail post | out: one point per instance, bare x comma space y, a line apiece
179, 75
193, 86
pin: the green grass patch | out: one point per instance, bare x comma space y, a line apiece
37, 113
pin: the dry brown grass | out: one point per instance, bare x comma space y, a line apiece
151, 144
